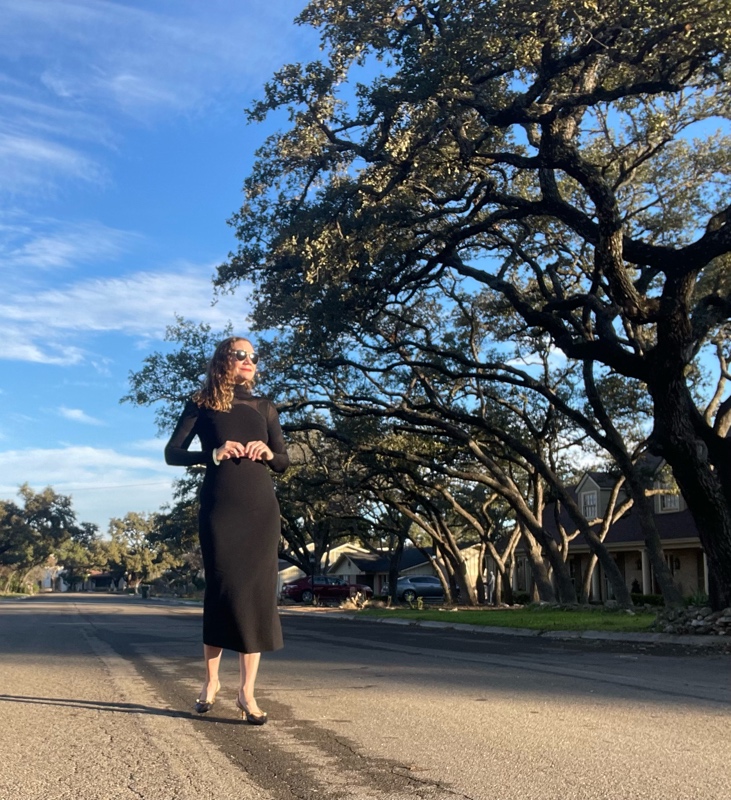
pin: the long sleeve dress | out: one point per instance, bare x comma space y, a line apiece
239, 521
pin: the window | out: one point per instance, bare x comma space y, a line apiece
669, 502
588, 505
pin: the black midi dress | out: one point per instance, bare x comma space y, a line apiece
239, 522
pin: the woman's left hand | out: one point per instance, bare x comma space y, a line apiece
258, 451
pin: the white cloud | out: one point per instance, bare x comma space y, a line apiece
77, 415
142, 305
23, 115
148, 445
26, 162
16, 347
73, 72
160, 56
103, 483
556, 359
45, 243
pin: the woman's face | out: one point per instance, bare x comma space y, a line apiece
246, 369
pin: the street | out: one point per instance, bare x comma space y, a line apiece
97, 696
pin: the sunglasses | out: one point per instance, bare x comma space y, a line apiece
242, 355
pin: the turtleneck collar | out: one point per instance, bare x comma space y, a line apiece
240, 391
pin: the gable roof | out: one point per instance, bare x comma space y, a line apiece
372, 563
604, 480
648, 465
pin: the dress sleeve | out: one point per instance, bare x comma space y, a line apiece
176, 450
280, 462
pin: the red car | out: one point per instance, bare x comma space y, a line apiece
326, 588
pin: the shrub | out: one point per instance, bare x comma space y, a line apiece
647, 599
698, 598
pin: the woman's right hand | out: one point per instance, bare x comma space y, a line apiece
230, 450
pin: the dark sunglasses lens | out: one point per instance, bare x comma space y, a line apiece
242, 355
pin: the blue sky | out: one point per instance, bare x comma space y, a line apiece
123, 148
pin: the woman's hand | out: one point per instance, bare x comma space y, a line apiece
256, 451
230, 450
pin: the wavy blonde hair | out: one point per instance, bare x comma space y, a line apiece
217, 391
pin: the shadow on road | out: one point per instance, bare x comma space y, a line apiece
119, 708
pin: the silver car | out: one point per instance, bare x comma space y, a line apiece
426, 586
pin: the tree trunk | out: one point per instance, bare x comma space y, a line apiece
453, 558
615, 445
538, 568
709, 505
9, 582
614, 576
564, 591
394, 567
586, 582
701, 463
664, 577
503, 589
611, 570
480, 588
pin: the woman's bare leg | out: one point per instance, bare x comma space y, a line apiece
248, 669
212, 656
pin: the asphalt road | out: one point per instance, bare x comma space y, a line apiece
97, 692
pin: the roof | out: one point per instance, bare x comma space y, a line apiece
372, 563
335, 551
670, 525
648, 465
604, 480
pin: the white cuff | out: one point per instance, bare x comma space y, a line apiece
215, 460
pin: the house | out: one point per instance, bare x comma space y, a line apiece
48, 578
624, 540
289, 572
372, 568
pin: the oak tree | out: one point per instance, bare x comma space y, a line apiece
572, 158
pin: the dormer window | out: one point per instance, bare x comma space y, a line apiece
668, 496
669, 502
588, 505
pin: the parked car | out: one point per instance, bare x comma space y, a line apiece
326, 588
426, 586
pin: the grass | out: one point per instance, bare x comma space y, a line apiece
534, 618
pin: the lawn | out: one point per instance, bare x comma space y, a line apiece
535, 618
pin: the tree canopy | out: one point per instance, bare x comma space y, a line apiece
568, 163
41, 530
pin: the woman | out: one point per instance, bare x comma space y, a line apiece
239, 523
